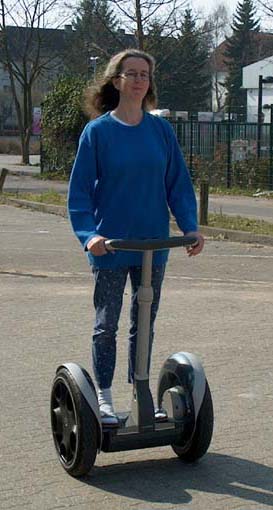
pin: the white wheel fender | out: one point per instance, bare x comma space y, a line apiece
199, 385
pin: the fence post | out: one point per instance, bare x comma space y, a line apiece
3, 176
271, 150
229, 150
191, 147
260, 114
204, 202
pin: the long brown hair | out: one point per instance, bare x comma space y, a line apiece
104, 97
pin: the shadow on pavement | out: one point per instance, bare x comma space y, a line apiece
170, 481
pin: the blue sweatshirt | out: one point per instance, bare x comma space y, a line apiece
123, 182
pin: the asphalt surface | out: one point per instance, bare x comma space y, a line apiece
218, 305
252, 207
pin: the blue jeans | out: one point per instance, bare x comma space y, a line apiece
108, 296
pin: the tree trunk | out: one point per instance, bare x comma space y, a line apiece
140, 35
25, 150
27, 116
217, 94
24, 135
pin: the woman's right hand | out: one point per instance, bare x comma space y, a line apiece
96, 246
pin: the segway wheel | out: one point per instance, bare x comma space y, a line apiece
200, 441
74, 426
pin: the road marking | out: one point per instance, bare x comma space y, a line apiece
252, 488
220, 280
24, 232
53, 274
242, 256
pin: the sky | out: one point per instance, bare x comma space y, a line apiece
209, 5
198, 7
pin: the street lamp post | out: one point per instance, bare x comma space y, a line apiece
268, 79
229, 147
270, 107
260, 108
229, 137
271, 149
93, 61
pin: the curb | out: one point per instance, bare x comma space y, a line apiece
23, 173
237, 235
26, 170
210, 232
60, 210
224, 234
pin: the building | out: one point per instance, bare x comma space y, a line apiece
251, 75
219, 67
54, 50
37, 48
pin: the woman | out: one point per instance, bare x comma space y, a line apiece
128, 172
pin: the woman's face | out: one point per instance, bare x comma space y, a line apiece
134, 80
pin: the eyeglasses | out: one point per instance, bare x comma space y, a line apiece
133, 75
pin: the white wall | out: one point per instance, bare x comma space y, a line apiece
252, 104
251, 73
251, 83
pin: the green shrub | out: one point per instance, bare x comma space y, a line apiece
248, 174
62, 123
251, 174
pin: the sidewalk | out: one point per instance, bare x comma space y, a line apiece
13, 164
22, 178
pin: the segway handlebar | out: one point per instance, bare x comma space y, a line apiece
150, 244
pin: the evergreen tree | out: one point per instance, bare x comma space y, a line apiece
162, 49
240, 52
191, 80
95, 35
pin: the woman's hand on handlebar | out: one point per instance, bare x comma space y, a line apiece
198, 247
96, 246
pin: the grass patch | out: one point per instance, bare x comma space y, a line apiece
52, 176
47, 197
241, 223
216, 190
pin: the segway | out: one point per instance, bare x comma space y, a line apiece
186, 422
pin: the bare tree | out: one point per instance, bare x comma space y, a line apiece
139, 15
218, 28
24, 57
5, 107
267, 7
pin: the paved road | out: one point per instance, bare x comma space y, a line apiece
218, 305
13, 163
26, 183
250, 207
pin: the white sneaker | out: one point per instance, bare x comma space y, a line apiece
160, 415
108, 416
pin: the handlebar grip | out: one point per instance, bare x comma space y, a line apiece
150, 244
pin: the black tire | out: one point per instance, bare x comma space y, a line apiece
200, 441
73, 424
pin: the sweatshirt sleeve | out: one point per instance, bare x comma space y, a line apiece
180, 193
81, 189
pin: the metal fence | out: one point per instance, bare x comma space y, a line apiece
226, 152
